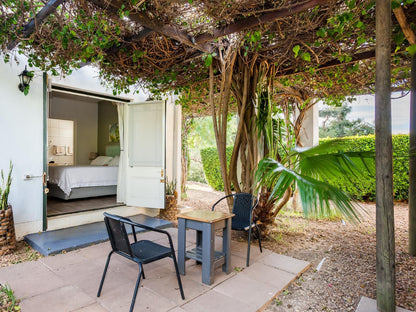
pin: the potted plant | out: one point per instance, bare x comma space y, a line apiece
7, 233
171, 210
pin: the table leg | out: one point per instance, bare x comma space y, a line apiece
198, 242
226, 243
208, 245
181, 245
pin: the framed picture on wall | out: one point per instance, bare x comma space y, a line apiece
113, 133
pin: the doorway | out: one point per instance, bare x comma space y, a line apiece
82, 153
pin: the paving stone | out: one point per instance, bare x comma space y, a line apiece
74, 272
247, 290
119, 299
268, 275
92, 308
215, 301
67, 298
177, 309
167, 286
194, 272
370, 305
285, 263
240, 249
30, 278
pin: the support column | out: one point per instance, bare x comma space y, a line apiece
412, 162
309, 134
385, 250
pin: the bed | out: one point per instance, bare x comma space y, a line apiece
72, 182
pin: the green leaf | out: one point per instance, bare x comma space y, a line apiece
411, 49
321, 32
395, 4
306, 56
208, 60
296, 50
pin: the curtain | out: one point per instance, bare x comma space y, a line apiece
121, 182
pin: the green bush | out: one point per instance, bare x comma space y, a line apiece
212, 168
365, 189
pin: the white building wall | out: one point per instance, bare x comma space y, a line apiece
22, 122
21, 137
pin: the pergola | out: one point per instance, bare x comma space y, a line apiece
164, 45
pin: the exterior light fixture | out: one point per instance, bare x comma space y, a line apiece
25, 79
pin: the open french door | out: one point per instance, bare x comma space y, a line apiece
145, 154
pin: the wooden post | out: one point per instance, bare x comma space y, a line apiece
384, 169
412, 162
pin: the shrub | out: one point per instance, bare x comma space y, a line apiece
212, 168
365, 189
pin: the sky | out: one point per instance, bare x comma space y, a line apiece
363, 108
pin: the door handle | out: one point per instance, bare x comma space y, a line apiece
44, 178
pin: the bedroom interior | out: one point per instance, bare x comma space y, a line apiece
83, 152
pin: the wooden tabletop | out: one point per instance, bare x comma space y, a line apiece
206, 215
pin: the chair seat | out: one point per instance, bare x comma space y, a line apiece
147, 251
240, 226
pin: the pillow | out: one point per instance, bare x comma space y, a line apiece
114, 162
101, 161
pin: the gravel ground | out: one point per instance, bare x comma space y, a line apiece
345, 252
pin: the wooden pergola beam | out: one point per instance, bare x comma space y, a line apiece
167, 30
253, 21
30, 27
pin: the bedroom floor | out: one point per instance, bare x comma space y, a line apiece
58, 206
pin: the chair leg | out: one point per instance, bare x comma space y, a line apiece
133, 300
177, 275
104, 273
248, 247
258, 233
143, 273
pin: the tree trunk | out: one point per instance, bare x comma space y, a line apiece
220, 113
385, 249
412, 162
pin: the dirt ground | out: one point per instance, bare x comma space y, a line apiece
344, 252
342, 257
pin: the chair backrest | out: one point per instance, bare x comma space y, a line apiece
242, 208
117, 234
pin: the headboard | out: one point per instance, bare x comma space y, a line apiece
112, 150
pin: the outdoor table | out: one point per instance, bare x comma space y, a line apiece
205, 222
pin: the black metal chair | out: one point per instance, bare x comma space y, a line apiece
243, 206
141, 252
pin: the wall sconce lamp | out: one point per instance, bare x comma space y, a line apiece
25, 79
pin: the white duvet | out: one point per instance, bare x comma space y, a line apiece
69, 177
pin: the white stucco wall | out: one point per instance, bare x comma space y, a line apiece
21, 135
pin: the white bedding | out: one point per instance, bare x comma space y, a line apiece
69, 177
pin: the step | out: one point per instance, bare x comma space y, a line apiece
57, 241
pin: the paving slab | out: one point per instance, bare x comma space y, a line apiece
52, 283
54, 242
370, 305
74, 299
285, 263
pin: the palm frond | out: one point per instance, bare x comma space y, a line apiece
328, 161
317, 196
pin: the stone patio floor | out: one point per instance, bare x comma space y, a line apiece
69, 281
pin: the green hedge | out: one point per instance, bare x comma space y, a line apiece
365, 189
211, 165
361, 189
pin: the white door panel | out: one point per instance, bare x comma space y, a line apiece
145, 151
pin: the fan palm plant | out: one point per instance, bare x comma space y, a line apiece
311, 171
